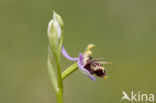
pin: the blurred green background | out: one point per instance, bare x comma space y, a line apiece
124, 32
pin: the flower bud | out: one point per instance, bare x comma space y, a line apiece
55, 29
59, 19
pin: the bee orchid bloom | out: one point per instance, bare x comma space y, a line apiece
86, 64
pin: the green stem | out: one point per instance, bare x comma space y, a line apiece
60, 96
59, 81
60, 87
69, 70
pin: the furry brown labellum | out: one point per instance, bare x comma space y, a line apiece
96, 67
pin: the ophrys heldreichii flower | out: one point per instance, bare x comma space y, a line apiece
87, 65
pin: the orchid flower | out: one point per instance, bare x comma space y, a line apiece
84, 61
86, 64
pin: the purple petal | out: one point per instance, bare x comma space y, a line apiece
82, 69
80, 59
65, 54
92, 77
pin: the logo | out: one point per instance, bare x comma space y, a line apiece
137, 96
